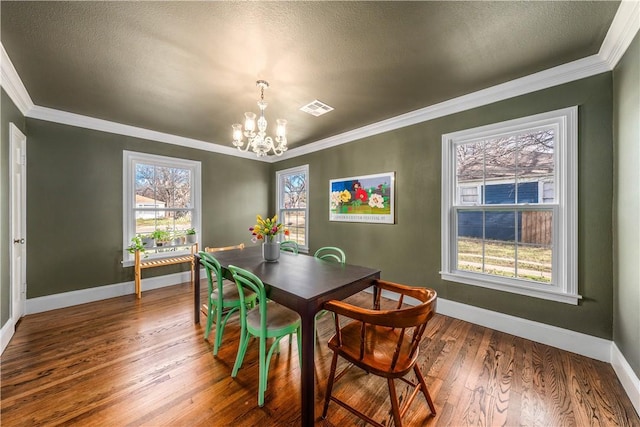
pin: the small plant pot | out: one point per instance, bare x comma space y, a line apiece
192, 238
148, 242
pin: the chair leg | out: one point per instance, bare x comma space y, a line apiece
299, 337
210, 314
332, 375
423, 386
262, 380
219, 331
242, 349
395, 407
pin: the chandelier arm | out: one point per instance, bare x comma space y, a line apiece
244, 150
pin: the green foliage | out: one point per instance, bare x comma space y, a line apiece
136, 245
161, 235
191, 231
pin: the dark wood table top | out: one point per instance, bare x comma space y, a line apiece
298, 279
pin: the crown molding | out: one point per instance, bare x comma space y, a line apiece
561, 74
72, 119
625, 25
12, 84
623, 29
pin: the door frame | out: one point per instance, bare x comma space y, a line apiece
17, 141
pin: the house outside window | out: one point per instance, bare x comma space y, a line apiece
292, 200
509, 194
162, 195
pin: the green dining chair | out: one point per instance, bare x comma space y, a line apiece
267, 320
223, 299
289, 246
331, 253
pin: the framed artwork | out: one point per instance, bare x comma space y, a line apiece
368, 198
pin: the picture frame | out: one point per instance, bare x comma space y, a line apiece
365, 198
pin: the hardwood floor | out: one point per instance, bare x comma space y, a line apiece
124, 362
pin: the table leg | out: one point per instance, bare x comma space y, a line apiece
308, 386
196, 291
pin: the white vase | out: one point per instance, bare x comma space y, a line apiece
271, 251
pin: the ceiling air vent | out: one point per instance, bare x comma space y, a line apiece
316, 108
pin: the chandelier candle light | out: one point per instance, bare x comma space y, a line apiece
259, 142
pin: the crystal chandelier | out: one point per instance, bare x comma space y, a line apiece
259, 142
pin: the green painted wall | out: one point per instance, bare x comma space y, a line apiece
74, 204
626, 302
9, 113
409, 251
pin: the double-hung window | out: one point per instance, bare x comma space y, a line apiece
161, 201
509, 212
292, 191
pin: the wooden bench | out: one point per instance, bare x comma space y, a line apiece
160, 262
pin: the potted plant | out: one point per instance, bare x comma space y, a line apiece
147, 240
177, 238
161, 237
191, 235
137, 245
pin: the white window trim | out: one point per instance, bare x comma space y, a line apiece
564, 287
129, 159
305, 170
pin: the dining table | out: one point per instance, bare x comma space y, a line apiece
302, 283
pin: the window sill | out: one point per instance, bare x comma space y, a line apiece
520, 289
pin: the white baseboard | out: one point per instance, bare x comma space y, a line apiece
68, 299
6, 334
627, 377
575, 342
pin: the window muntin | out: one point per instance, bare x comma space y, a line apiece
160, 193
508, 207
292, 200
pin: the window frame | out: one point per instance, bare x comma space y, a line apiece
129, 161
564, 285
279, 197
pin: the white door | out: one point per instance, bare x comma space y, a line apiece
18, 221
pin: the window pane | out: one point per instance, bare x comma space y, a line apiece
470, 162
500, 247
295, 221
182, 221
294, 191
145, 222
536, 161
500, 165
534, 246
469, 195
470, 241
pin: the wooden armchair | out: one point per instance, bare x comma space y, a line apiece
384, 343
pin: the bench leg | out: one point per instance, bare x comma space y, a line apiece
137, 275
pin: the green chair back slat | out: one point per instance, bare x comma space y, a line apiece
331, 253
290, 246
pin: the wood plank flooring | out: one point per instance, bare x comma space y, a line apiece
128, 362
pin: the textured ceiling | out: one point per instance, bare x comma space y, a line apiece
189, 68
